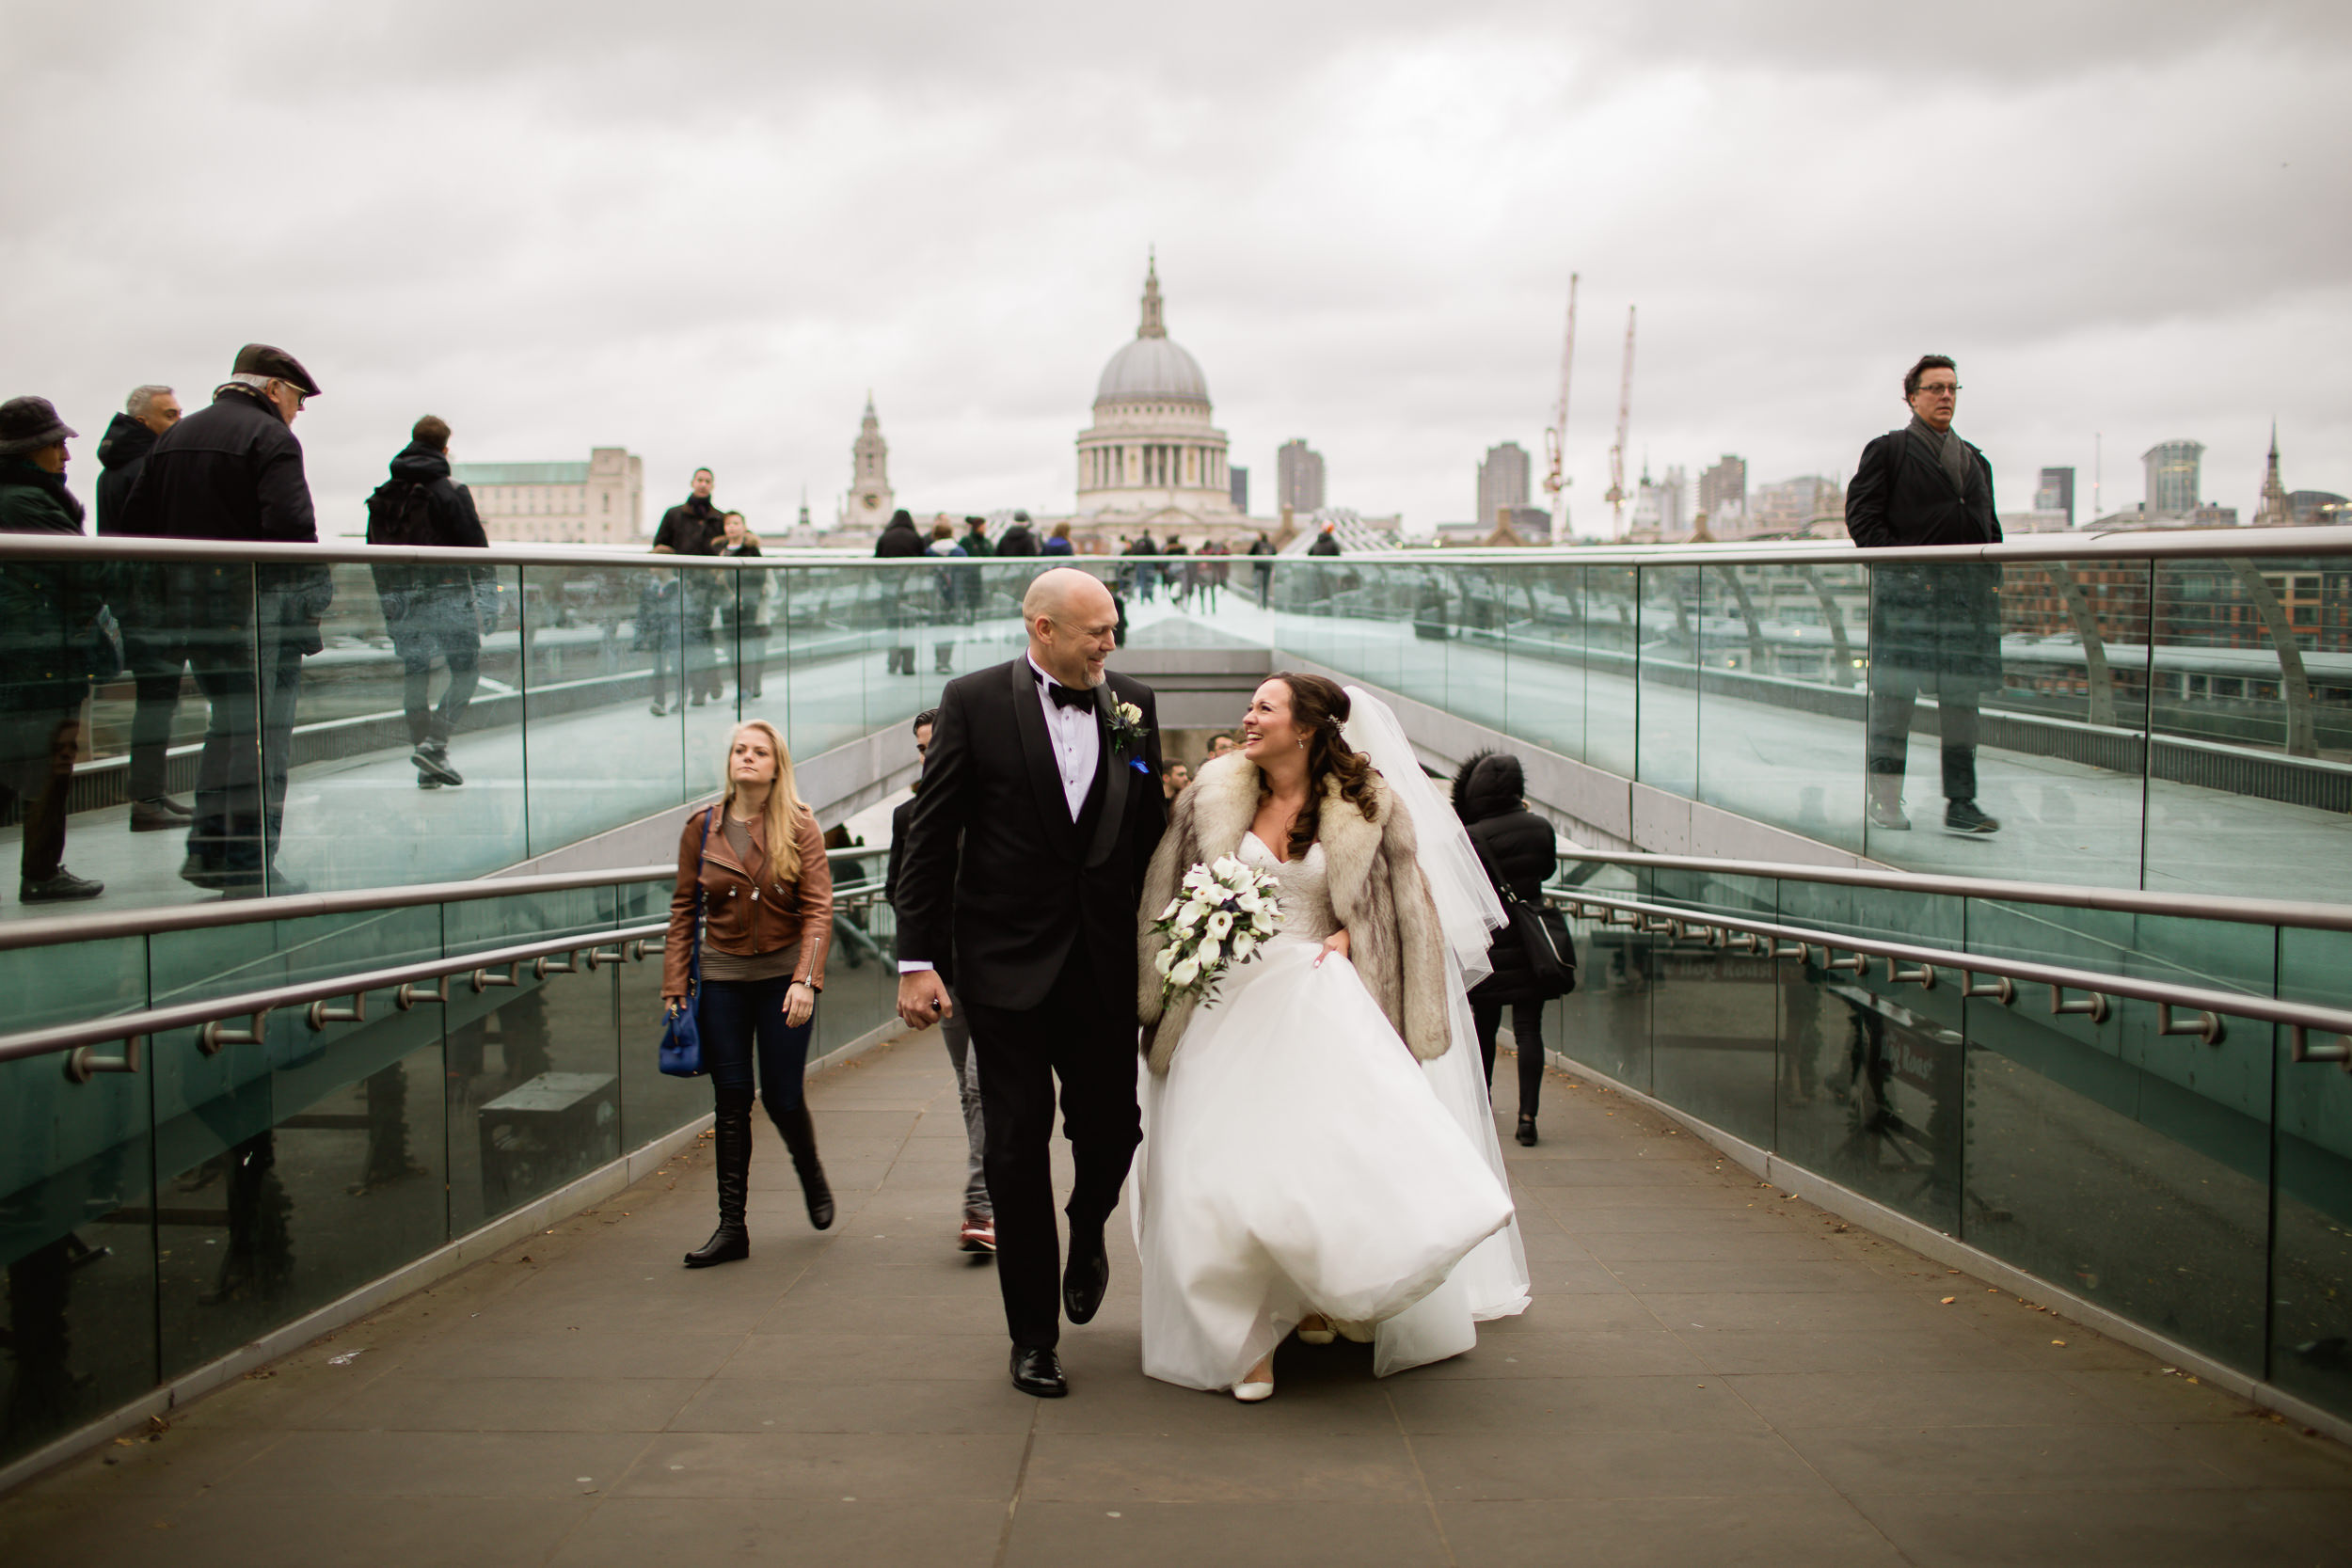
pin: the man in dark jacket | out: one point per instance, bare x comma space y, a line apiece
975, 540
693, 527
46, 609
233, 473
1019, 538
1933, 629
1521, 849
431, 611
899, 540
979, 1231
155, 649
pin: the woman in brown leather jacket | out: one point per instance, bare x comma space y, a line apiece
759, 863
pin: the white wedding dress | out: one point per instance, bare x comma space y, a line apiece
1297, 1159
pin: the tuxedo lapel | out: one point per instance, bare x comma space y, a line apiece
1114, 783
1036, 754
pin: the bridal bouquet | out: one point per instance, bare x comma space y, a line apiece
1218, 918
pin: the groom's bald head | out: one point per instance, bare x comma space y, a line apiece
1074, 626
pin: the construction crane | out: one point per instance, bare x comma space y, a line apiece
1557, 438
1616, 496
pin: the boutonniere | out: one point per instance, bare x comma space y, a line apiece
1127, 732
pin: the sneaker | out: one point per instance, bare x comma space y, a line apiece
1886, 810
978, 1233
432, 760
159, 813
424, 783
62, 887
658, 711
203, 874
1961, 816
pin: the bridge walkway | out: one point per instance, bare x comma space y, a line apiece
1711, 1374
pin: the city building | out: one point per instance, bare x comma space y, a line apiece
1724, 496
1789, 505
2056, 493
2171, 469
601, 501
2314, 508
870, 499
2274, 510
1152, 445
1239, 488
1299, 477
2040, 520
1662, 512
1501, 482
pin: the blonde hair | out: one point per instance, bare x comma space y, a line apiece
783, 816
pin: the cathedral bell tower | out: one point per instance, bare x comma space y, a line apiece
870, 501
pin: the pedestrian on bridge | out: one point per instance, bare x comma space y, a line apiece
153, 646
754, 863
435, 611
1934, 630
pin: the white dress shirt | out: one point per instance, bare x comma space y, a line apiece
1077, 741
1077, 749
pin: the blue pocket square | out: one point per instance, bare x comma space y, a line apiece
1140, 766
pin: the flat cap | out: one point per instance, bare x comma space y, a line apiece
262, 359
28, 425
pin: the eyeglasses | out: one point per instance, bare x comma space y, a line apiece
1938, 388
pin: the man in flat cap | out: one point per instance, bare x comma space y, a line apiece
233, 473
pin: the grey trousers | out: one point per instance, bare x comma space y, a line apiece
958, 1037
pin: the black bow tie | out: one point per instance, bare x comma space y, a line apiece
1066, 696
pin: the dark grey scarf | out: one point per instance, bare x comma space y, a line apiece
1950, 449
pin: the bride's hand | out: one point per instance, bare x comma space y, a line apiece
1334, 943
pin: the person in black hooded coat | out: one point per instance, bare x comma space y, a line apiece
1522, 849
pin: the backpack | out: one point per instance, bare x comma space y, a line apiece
401, 513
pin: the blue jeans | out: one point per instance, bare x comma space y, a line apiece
743, 1018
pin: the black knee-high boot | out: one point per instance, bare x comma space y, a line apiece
800, 1136
732, 1146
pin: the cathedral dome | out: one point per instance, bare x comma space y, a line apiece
1154, 365
1151, 368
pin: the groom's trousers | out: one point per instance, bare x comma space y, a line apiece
1088, 1040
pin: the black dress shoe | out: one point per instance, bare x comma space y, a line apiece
1039, 1372
1087, 1277
1527, 1130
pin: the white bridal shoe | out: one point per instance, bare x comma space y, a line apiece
1250, 1393
1322, 1333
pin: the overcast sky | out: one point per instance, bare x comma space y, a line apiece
704, 231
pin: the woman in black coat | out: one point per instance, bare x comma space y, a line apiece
1522, 849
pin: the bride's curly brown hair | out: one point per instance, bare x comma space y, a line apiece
1320, 707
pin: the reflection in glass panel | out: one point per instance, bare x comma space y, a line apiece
2128, 1165
652, 1103
77, 1242
1545, 680
2311, 1280
1782, 693
602, 684
1714, 1010
1612, 633
1871, 1084
1669, 703
2249, 691
1605, 1022
533, 1089
862, 970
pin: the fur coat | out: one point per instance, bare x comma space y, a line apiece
1377, 891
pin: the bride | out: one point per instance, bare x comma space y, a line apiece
1319, 1152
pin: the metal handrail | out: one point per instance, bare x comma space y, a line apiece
2189, 906
2101, 989
2162, 543
306, 906
634, 939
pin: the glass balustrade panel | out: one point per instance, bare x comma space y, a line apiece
2249, 693
1667, 703
605, 653
1714, 1007
1544, 672
1782, 697
2311, 1255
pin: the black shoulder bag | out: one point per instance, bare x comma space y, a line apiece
1542, 932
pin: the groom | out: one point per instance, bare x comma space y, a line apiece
1040, 809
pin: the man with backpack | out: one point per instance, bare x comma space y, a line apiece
432, 611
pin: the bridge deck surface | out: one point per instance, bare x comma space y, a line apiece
1711, 1374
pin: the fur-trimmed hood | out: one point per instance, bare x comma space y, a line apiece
1373, 869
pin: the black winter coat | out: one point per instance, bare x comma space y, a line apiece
693, 527
229, 472
1519, 845
121, 453
1019, 540
46, 607
1938, 627
899, 539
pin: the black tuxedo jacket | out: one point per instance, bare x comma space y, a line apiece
998, 919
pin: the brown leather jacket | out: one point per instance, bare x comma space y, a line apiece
748, 911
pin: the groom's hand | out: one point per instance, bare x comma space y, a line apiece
922, 1000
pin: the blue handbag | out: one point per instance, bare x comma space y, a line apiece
681, 1035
